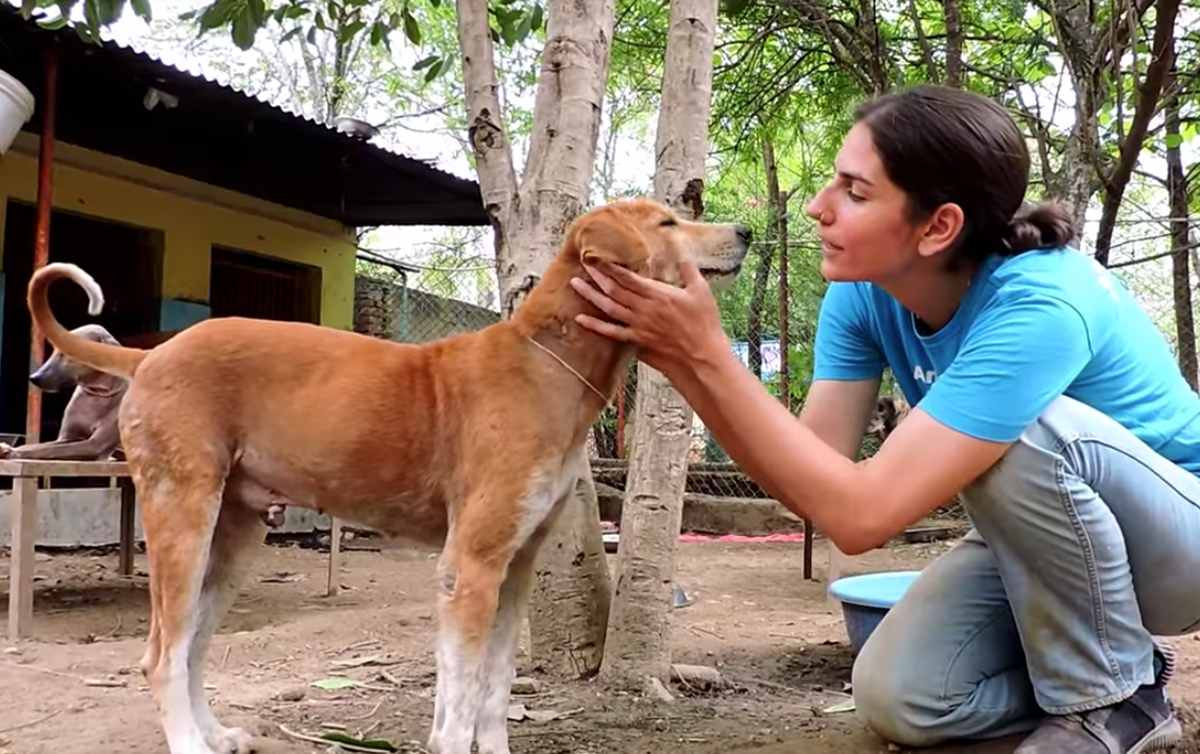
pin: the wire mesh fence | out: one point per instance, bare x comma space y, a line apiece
419, 304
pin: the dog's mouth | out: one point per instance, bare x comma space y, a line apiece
713, 272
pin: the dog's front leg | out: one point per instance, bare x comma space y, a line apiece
468, 594
491, 728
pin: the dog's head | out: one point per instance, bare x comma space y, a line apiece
651, 240
61, 373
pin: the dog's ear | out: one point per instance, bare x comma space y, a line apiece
611, 238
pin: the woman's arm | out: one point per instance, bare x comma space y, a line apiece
858, 505
839, 411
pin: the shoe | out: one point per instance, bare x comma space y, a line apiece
1143, 722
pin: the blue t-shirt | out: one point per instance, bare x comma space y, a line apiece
1030, 328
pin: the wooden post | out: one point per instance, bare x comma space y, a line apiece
128, 503
41, 245
20, 587
335, 556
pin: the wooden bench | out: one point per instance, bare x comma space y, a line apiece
25, 476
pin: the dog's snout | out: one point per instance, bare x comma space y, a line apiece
744, 234
38, 379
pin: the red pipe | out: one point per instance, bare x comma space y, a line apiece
41, 244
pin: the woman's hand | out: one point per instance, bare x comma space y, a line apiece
674, 328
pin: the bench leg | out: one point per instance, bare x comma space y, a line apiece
335, 556
20, 583
128, 503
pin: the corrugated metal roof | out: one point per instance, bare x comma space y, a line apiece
225, 136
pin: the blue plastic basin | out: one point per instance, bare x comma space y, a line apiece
867, 598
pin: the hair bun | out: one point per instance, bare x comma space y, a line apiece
1043, 226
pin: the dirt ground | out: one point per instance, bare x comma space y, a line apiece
772, 634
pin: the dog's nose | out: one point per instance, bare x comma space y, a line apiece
37, 379
744, 233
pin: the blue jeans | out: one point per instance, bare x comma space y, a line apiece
1085, 543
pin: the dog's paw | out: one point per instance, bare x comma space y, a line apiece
6, 450
233, 741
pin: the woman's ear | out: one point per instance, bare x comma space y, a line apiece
942, 229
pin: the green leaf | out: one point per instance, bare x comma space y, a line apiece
291, 34
538, 17
244, 28
215, 15
110, 11
1173, 140
320, 22
296, 11
258, 12
53, 25
27, 7
436, 3
735, 7
411, 29
425, 62
188, 15
378, 33
394, 21
91, 14
312, 35
348, 32
142, 9
522, 32
433, 71
335, 683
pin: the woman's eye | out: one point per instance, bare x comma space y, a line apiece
855, 197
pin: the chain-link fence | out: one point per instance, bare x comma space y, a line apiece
418, 304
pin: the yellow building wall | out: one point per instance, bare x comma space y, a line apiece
193, 217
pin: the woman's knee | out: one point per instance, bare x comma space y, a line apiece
888, 696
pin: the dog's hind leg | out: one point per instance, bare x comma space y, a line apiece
179, 516
239, 532
468, 594
491, 728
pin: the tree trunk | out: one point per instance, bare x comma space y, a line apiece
1177, 190
639, 624
1073, 25
570, 602
954, 44
570, 605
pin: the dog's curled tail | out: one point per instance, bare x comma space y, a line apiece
117, 360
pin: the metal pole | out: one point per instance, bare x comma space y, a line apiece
41, 244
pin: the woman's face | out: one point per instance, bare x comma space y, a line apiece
862, 217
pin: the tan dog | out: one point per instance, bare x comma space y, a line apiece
471, 441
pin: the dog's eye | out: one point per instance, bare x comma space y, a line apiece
668, 223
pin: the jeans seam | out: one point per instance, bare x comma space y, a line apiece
944, 693
1088, 552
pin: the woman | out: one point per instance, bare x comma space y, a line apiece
1041, 393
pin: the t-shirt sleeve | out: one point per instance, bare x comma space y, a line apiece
1021, 353
845, 347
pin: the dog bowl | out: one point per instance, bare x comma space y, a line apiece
867, 598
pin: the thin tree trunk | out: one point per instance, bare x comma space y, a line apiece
762, 276
954, 43
570, 603
1177, 190
639, 625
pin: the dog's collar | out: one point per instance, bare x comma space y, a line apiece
607, 400
101, 393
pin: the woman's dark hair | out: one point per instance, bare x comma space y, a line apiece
947, 145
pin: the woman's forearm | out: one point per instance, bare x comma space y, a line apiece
786, 458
